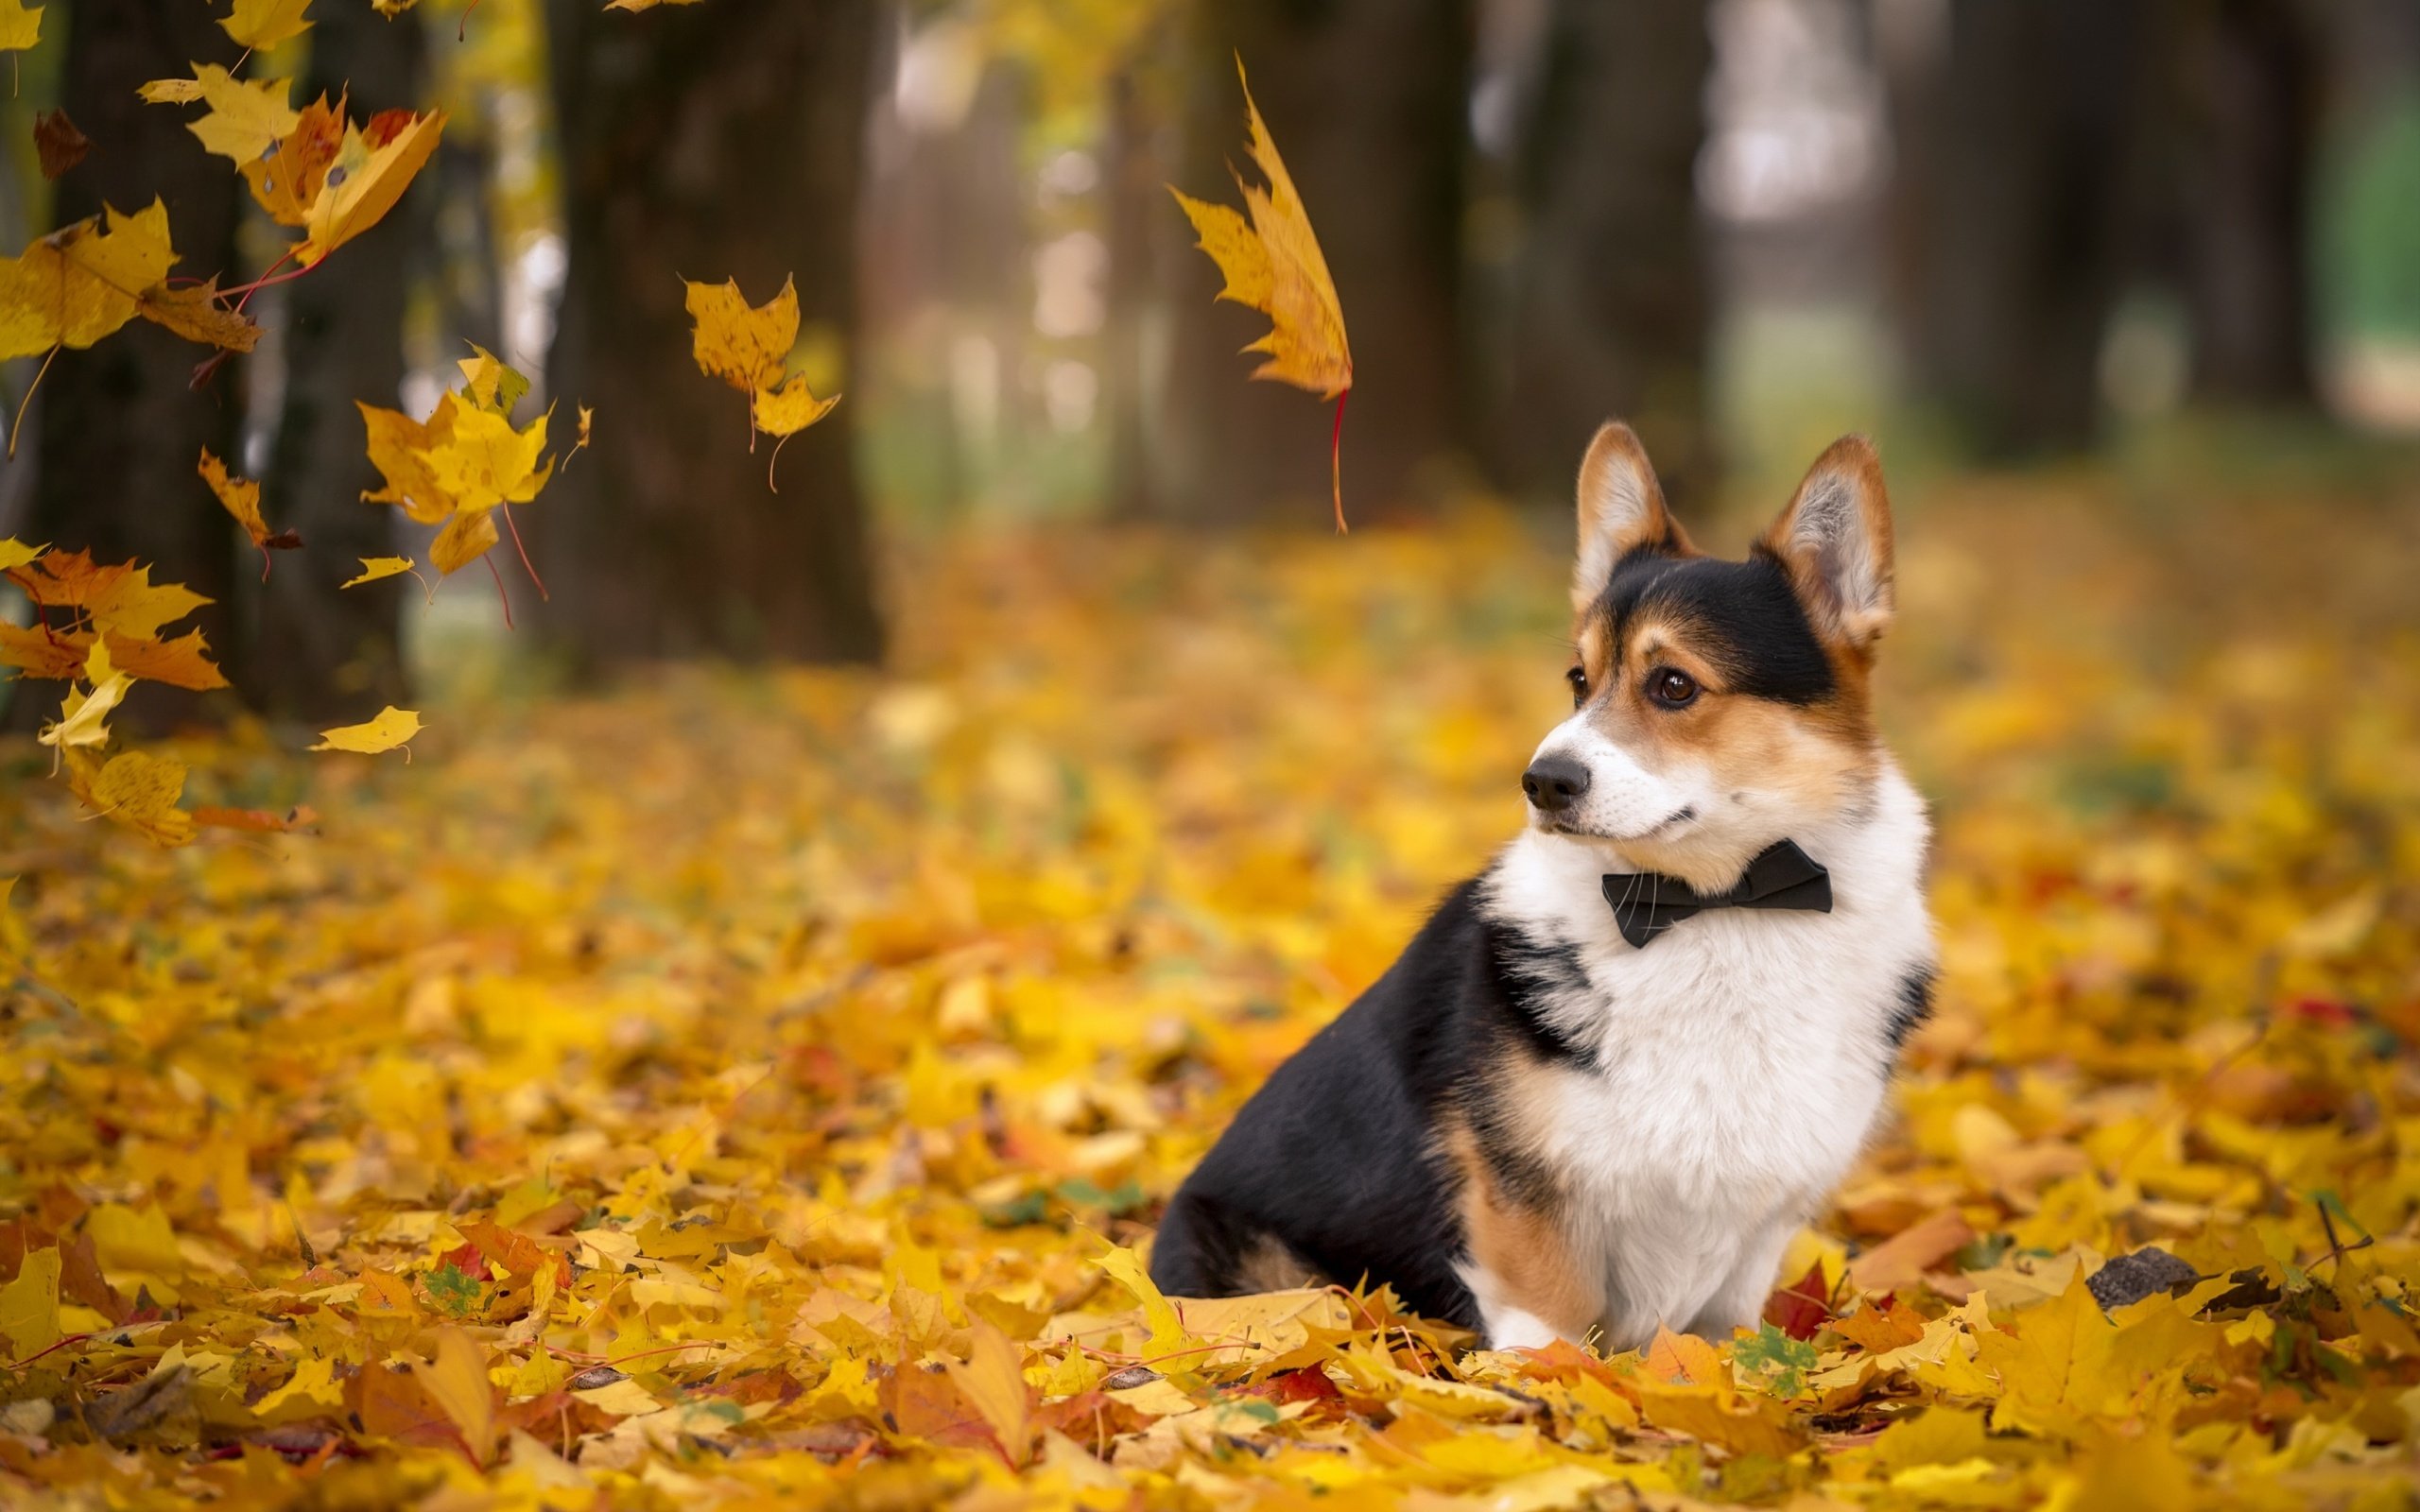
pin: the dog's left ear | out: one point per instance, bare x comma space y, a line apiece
1835, 539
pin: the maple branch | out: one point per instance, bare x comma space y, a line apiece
23, 404
524, 554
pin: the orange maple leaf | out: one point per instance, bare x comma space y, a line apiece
1272, 264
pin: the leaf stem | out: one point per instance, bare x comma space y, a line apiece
1335, 458
502, 596
26, 403
543, 597
248, 290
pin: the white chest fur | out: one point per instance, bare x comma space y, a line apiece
1739, 1063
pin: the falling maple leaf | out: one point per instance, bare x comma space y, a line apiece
137, 790
580, 443
392, 727
289, 176
58, 144
81, 605
374, 165
491, 383
458, 467
258, 23
1272, 264
82, 283
745, 346
246, 116
748, 347
242, 499
20, 29
374, 568
786, 411
79, 721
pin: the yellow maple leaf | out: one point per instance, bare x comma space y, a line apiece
484, 462
744, 347
1126, 1268
245, 116
492, 383
80, 283
289, 176
19, 26
993, 1379
241, 497
457, 1380
194, 312
1272, 264
465, 538
791, 408
136, 790
399, 448
256, 23
121, 599
29, 1305
783, 413
374, 568
454, 468
83, 283
392, 727
80, 715
15, 554
375, 165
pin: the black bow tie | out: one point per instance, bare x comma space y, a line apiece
1647, 903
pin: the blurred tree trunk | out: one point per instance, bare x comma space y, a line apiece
317, 652
1136, 210
1366, 102
716, 141
122, 428
1611, 304
2016, 144
2251, 74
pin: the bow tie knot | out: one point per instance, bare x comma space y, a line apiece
1645, 904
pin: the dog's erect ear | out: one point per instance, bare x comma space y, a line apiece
1621, 509
1835, 539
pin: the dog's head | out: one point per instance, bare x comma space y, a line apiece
1717, 705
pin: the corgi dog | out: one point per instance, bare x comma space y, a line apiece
1616, 1071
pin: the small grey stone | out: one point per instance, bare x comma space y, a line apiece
2144, 1273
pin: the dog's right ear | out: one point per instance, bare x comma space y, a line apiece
1621, 510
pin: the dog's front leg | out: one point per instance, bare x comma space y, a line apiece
1530, 1286
1740, 1301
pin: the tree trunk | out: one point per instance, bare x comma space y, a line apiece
1366, 101
318, 652
1136, 208
714, 142
2251, 115
2017, 148
122, 428
1610, 304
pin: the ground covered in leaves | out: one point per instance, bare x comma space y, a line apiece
754, 1087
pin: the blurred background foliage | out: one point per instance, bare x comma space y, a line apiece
2178, 239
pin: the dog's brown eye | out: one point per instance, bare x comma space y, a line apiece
1577, 678
1671, 687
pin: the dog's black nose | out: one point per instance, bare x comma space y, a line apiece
1554, 783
